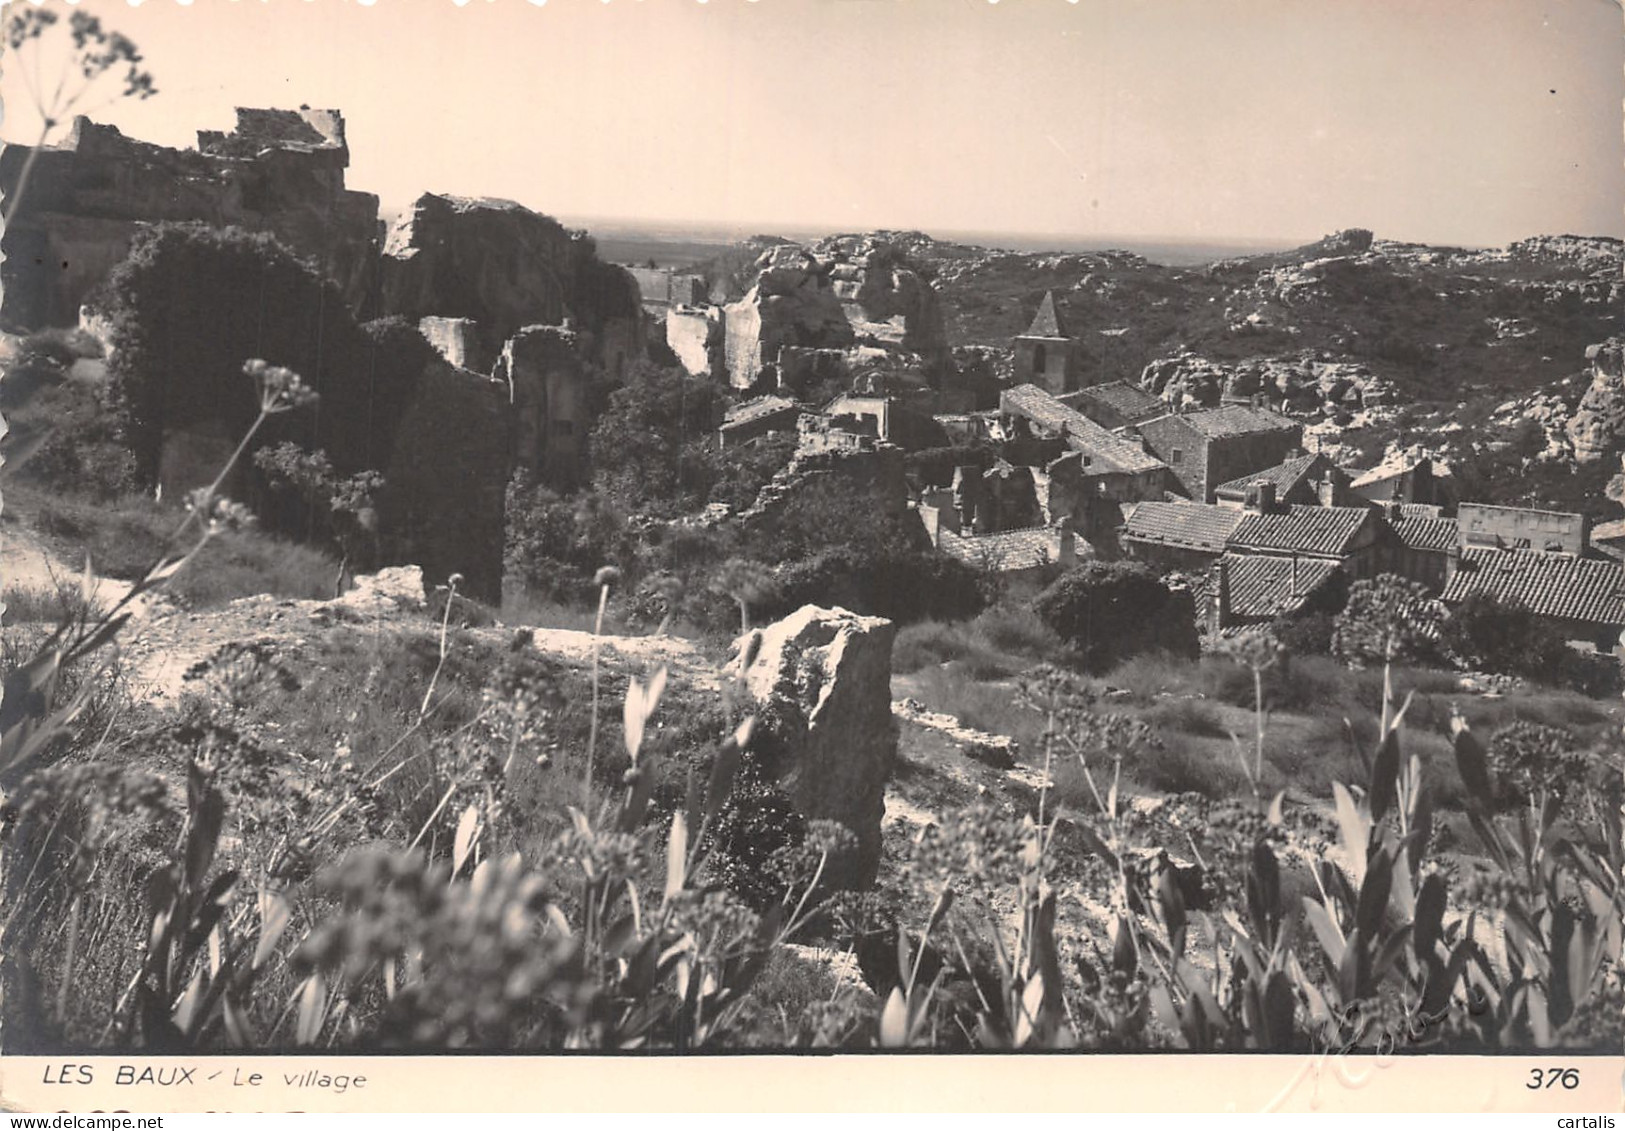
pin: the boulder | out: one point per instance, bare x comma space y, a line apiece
388, 590
821, 681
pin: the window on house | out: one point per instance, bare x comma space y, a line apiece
1179, 455
1087, 460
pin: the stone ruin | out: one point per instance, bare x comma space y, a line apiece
520, 308
814, 311
279, 171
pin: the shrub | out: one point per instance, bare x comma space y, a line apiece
1309, 634
900, 584
1387, 620
1107, 611
649, 447
60, 434
1532, 762
1504, 637
555, 544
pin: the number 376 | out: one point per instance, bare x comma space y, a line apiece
1553, 1077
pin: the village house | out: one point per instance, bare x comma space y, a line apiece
758, 417
1216, 445
1356, 538
1103, 453
1304, 480
1178, 535
1583, 598
1405, 478
1115, 404
1486, 525
887, 418
1431, 543
1192, 536
1011, 551
1252, 589
1047, 354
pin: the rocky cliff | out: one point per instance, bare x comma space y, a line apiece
1597, 428
505, 267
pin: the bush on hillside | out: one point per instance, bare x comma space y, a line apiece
1109, 611
900, 584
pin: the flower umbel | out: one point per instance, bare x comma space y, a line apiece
280, 389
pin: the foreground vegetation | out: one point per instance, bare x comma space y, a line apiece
468, 855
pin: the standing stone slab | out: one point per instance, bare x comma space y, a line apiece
821, 680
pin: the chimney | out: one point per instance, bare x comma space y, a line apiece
1295, 590
1218, 597
1261, 497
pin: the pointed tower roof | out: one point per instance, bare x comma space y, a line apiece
1047, 322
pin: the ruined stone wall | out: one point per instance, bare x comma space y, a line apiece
547, 384
88, 196
695, 335
446, 480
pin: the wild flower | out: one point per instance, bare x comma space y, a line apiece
280, 389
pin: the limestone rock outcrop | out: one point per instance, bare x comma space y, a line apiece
821, 679
506, 267
792, 304
1598, 425
390, 589
279, 171
1306, 382
843, 293
886, 297
694, 335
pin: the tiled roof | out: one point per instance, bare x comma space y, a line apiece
1081, 433
746, 411
1128, 401
1194, 526
1006, 550
1436, 534
1608, 531
1550, 585
1284, 475
1237, 420
1047, 322
1264, 585
1306, 530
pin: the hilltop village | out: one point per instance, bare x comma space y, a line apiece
1024, 458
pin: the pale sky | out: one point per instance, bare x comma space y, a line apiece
1446, 121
